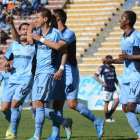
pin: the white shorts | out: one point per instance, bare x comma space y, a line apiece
108, 96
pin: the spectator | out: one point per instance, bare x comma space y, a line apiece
10, 7
26, 9
5, 3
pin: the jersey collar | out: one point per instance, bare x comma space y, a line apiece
64, 29
129, 33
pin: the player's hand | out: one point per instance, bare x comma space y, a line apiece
29, 39
124, 56
104, 60
105, 85
5, 62
9, 18
58, 75
35, 36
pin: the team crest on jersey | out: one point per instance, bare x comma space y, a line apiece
106, 70
29, 50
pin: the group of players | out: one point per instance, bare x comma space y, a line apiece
44, 60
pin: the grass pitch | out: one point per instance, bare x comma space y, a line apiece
83, 129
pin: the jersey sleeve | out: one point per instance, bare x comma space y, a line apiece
1, 76
69, 37
9, 52
99, 71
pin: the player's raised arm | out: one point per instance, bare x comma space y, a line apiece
29, 33
9, 19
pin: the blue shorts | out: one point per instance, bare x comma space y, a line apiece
29, 98
17, 92
67, 88
130, 92
43, 87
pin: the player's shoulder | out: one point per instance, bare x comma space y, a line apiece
70, 32
2, 73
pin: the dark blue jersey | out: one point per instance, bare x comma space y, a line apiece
108, 75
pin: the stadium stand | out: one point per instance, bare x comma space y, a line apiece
87, 19
51, 4
111, 45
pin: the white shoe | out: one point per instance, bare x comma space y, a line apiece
108, 120
112, 120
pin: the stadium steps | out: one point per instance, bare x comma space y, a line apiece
109, 42
87, 18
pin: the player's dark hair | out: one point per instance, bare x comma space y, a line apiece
22, 25
109, 56
45, 13
61, 14
131, 16
54, 22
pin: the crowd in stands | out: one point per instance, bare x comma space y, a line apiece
22, 8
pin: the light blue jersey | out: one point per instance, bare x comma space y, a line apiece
4, 76
68, 86
24, 57
21, 78
131, 45
47, 57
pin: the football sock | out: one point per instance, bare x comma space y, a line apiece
33, 112
106, 115
39, 121
111, 112
15, 118
7, 115
82, 109
56, 126
20, 108
137, 109
54, 117
134, 122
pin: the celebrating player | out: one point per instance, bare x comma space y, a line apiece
67, 88
21, 79
130, 89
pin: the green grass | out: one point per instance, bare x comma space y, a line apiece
83, 129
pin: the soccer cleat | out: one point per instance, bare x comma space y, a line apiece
100, 128
50, 138
11, 137
8, 131
108, 120
35, 138
112, 120
68, 128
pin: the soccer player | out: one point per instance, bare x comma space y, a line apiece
29, 101
5, 76
20, 80
46, 68
67, 88
130, 89
109, 92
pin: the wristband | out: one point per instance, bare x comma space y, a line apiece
42, 39
61, 67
